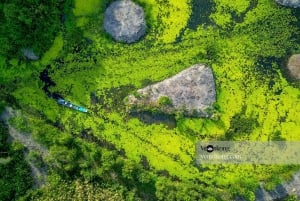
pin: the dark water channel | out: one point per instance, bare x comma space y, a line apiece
201, 10
44, 77
155, 118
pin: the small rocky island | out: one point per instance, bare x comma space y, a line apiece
125, 21
293, 66
191, 91
289, 3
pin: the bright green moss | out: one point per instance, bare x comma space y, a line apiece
87, 7
164, 101
233, 60
53, 52
168, 18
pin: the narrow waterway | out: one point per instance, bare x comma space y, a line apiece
155, 118
46, 79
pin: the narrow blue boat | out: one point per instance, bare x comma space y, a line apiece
71, 105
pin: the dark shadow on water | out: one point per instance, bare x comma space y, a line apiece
264, 65
155, 118
284, 61
266, 70
201, 10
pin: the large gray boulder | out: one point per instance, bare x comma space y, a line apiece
289, 3
29, 54
125, 21
294, 66
192, 91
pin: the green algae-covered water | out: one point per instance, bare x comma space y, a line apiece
245, 43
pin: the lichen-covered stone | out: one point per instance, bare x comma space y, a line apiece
125, 21
289, 3
191, 91
294, 66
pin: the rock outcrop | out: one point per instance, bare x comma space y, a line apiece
294, 66
279, 192
125, 21
192, 92
289, 3
29, 54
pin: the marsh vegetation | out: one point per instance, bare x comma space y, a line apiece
104, 154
